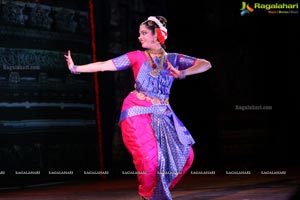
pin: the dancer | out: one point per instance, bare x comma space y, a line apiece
160, 145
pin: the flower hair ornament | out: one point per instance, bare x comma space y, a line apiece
162, 32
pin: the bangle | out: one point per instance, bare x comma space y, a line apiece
182, 74
73, 70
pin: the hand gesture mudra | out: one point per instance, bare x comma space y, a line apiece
69, 60
70, 63
175, 72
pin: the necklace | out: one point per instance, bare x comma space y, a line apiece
154, 72
156, 51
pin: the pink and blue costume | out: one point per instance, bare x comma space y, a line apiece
157, 140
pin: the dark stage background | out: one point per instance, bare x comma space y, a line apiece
241, 112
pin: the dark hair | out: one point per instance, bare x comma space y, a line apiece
151, 25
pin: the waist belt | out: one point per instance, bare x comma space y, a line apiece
153, 100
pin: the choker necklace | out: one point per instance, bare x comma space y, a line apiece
156, 51
154, 72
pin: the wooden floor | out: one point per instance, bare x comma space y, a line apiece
254, 186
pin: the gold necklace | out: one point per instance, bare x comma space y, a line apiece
154, 72
156, 51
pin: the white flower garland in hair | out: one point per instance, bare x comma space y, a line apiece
152, 18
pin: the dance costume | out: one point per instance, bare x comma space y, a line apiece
157, 140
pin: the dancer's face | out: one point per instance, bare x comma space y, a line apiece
146, 37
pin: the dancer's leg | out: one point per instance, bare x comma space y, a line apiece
186, 167
140, 141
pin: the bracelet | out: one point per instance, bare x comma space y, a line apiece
182, 74
73, 70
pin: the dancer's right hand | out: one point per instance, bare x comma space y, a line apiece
69, 60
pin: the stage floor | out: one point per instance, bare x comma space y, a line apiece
254, 186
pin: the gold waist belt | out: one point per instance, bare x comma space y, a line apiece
153, 100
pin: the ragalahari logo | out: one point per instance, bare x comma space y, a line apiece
246, 9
